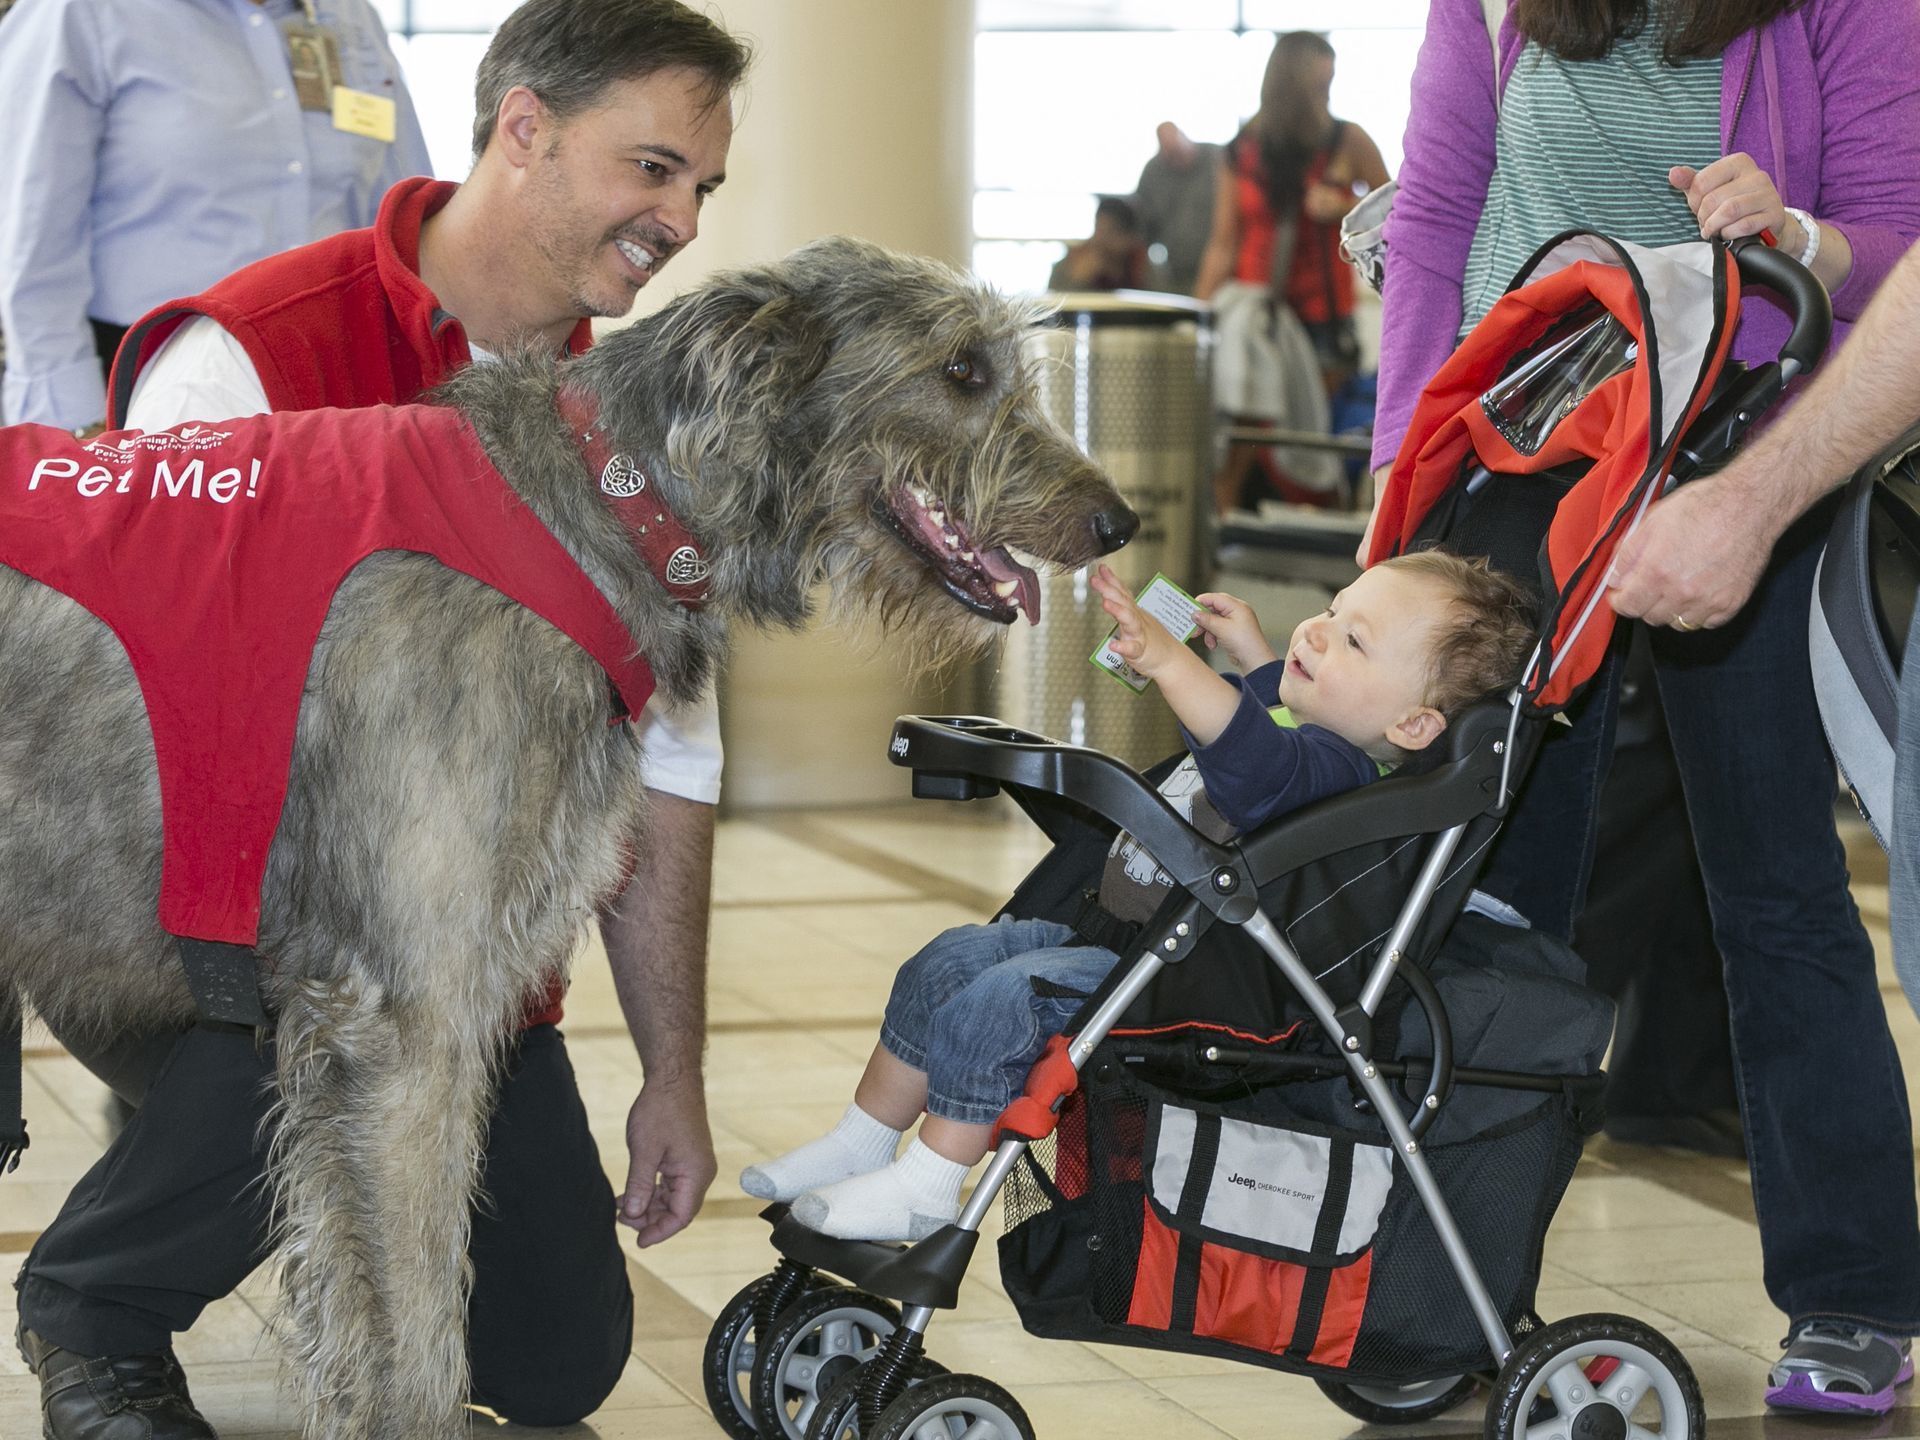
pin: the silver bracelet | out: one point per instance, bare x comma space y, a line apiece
1810, 228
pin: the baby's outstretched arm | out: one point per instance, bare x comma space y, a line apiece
1202, 701
1229, 621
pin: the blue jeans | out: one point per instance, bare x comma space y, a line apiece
975, 1008
1821, 1092
1903, 826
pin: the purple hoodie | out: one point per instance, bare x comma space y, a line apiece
1826, 99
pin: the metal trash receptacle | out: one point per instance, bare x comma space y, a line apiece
1126, 375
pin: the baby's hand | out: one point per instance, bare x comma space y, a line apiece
1227, 620
1139, 639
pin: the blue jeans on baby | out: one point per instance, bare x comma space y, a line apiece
975, 1008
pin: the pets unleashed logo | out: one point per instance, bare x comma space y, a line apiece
162, 464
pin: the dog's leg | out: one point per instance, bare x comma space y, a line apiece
382, 1120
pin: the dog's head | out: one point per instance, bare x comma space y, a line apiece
863, 416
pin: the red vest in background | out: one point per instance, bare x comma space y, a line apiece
213, 552
346, 321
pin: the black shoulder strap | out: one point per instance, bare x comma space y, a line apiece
224, 982
129, 360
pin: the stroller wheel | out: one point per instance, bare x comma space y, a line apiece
816, 1340
968, 1405
1399, 1404
726, 1366
838, 1417
1601, 1377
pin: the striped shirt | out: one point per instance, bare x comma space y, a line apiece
1586, 144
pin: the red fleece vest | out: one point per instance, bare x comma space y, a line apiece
213, 553
346, 321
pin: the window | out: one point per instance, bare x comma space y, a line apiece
1068, 93
439, 43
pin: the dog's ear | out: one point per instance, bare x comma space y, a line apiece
750, 352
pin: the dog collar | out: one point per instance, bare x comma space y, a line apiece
670, 551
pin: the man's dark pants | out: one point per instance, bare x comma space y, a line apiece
175, 1215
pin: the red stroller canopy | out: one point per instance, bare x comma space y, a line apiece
1677, 307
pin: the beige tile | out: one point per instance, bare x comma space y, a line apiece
1657, 1253
1115, 1407
1246, 1401
1004, 1352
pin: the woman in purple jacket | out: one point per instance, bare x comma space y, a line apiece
1656, 121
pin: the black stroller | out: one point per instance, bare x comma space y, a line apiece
1320, 1114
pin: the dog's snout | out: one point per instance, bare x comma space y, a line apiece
1114, 526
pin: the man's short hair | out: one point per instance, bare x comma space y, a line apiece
1485, 635
569, 51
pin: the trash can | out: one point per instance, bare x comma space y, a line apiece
1126, 375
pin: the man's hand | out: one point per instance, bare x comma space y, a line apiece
1142, 641
1696, 557
670, 1160
656, 936
1228, 620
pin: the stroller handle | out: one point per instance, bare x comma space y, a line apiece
1760, 264
968, 757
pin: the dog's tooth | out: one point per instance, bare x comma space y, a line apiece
937, 515
1006, 588
966, 555
953, 540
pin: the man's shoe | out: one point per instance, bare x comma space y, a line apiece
1834, 1367
115, 1397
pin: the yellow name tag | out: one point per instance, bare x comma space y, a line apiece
358, 113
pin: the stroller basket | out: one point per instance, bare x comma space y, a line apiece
1272, 1225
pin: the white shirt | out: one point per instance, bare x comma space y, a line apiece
203, 373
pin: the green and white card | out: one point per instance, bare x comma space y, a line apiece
1165, 602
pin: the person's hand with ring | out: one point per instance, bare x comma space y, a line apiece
1695, 557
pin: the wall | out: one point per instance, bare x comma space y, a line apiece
857, 120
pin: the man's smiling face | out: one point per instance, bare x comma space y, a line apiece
617, 188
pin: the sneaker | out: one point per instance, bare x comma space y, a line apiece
1832, 1366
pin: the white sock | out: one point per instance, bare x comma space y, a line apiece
908, 1200
858, 1144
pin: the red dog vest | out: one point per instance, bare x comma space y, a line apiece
213, 553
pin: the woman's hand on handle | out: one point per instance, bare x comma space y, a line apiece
1733, 197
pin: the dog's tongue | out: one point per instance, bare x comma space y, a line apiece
1000, 567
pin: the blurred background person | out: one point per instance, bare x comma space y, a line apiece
1173, 203
1114, 257
158, 148
1274, 273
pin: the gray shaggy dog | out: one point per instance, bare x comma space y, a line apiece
458, 803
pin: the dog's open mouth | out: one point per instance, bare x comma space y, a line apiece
988, 581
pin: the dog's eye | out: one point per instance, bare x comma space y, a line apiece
963, 371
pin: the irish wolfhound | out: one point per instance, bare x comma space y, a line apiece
458, 802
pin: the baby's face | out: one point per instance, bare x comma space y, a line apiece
1360, 667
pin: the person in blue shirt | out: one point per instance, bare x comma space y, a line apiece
156, 148
1361, 687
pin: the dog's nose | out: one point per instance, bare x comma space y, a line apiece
1114, 526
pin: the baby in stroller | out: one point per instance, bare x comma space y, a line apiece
1373, 679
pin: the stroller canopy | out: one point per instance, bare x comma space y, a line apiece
1593, 364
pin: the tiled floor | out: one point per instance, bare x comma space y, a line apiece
813, 912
